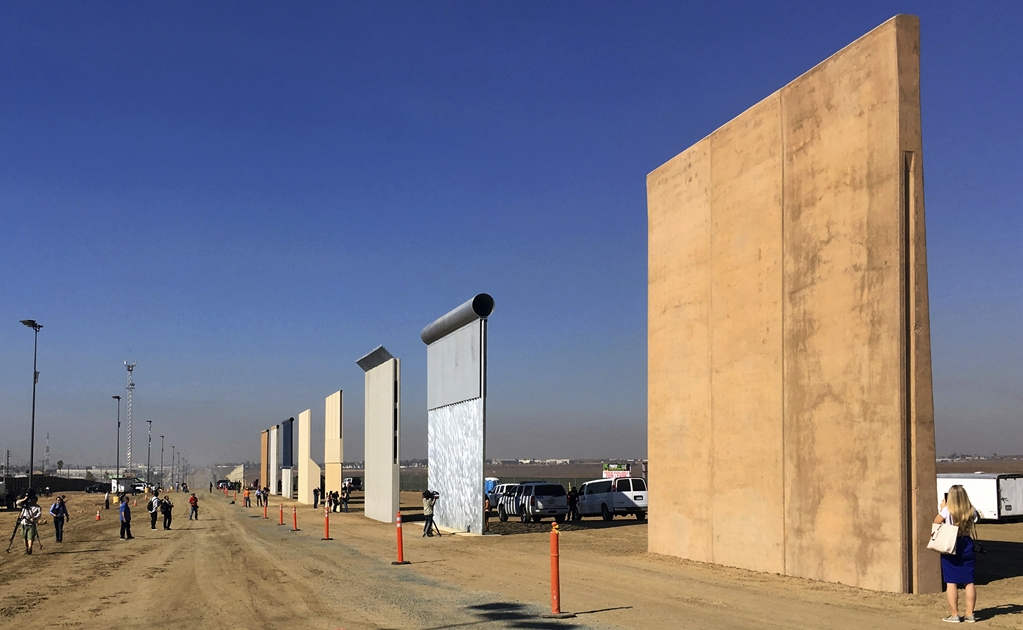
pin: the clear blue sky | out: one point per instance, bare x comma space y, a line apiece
246, 198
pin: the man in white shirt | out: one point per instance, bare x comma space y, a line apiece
154, 508
29, 518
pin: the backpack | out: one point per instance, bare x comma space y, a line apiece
154, 504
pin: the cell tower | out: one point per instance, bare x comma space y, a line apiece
46, 459
131, 390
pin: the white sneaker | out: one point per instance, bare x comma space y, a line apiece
951, 619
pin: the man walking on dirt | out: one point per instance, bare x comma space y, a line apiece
125, 514
29, 519
59, 513
154, 508
193, 507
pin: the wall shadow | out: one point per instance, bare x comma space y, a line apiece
513, 526
1003, 560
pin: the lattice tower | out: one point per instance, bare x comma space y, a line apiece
131, 390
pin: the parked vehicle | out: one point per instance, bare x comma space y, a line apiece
607, 497
353, 483
98, 487
533, 500
223, 483
498, 494
996, 496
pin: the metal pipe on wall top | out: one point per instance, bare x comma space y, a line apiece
478, 307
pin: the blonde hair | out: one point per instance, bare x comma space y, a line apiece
961, 511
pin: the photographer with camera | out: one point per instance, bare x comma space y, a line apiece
29, 518
429, 500
60, 514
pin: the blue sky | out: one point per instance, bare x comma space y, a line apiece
245, 199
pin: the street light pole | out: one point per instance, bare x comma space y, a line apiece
31, 323
118, 458
161, 461
172, 466
149, 452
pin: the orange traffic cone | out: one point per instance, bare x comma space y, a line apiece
97, 515
136, 503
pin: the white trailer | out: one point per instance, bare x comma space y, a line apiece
996, 496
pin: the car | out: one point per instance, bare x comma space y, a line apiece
499, 492
607, 497
98, 487
533, 500
223, 483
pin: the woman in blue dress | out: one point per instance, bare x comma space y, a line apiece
958, 568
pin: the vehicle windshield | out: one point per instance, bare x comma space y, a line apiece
550, 490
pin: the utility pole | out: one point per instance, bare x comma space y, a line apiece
31, 323
131, 390
161, 462
118, 458
172, 466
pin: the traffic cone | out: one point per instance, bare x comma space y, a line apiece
97, 515
136, 504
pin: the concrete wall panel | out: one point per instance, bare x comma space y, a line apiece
308, 470
746, 338
789, 356
333, 444
264, 457
274, 461
383, 434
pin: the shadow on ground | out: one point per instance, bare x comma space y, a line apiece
511, 527
506, 615
1003, 560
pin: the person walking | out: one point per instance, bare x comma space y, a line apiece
248, 501
166, 507
29, 519
211, 487
958, 568
259, 497
193, 507
60, 514
316, 498
346, 494
429, 500
106, 500
154, 508
125, 515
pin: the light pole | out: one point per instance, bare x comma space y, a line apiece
118, 458
31, 323
161, 461
172, 466
149, 451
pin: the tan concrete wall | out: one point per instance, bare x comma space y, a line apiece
790, 413
264, 462
333, 443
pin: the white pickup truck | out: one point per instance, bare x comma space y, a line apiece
607, 497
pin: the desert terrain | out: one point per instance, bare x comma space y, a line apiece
233, 569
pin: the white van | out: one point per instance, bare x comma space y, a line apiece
607, 497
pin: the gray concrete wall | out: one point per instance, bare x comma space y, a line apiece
308, 470
333, 443
789, 358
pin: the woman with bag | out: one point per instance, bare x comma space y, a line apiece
958, 567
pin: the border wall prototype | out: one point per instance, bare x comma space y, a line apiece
383, 434
791, 420
456, 394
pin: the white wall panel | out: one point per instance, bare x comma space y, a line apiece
456, 464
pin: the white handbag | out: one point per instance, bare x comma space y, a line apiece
943, 538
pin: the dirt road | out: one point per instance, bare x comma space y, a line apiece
233, 569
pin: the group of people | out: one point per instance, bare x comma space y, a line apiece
156, 506
336, 501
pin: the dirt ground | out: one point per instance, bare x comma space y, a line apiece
233, 569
